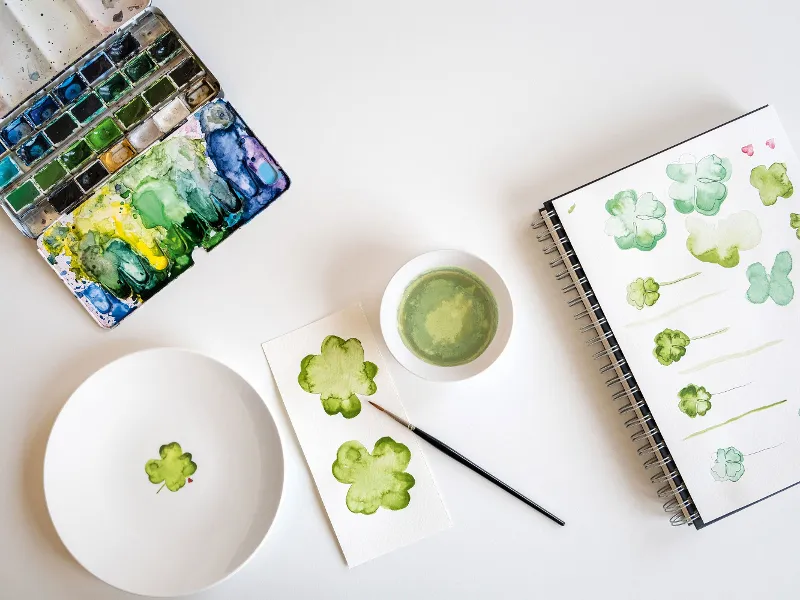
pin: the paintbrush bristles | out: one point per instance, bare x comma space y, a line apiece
403, 422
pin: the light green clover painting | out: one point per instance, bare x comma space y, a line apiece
645, 292
671, 344
772, 183
338, 374
699, 186
376, 480
776, 285
694, 400
729, 465
173, 469
635, 222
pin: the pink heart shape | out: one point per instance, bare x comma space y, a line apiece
748, 150
771, 143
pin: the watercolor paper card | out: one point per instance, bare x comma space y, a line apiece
690, 254
376, 486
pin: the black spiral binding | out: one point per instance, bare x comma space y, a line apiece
678, 501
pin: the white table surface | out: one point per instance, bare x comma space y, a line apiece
410, 126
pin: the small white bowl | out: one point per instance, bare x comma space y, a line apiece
394, 295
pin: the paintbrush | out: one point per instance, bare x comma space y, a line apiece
468, 463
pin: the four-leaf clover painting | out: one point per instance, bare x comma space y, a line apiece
645, 292
794, 223
338, 375
776, 285
729, 465
376, 480
635, 222
671, 344
772, 183
699, 186
696, 400
172, 469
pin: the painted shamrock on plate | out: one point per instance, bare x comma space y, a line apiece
772, 183
645, 292
671, 344
699, 186
338, 375
376, 480
173, 469
776, 285
636, 221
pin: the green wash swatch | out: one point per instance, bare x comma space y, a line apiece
50, 175
159, 91
105, 134
76, 155
338, 375
133, 112
376, 480
22, 196
139, 67
447, 317
112, 88
172, 469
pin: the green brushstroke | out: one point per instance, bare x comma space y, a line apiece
729, 421
172, 469
139, 230
447, 317
674, 310
338, 375
376, 480
726, 357
571, 208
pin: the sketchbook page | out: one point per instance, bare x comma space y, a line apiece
376, 486
690, 254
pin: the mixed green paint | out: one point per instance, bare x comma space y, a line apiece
447, 317
636, 221
776, 285
173, 469
339, 374
377, 479
699, 186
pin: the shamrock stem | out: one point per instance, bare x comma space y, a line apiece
162, 487
764, 449
712, 334
681, 279
731, 389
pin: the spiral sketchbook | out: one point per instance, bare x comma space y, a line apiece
680, 268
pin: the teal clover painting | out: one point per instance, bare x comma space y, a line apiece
776, 285
635, 221
699, 186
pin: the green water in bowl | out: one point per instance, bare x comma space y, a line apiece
447, 317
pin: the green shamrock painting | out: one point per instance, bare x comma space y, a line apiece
772, 183
794, 223
376, 480
729, 465
671, 344
776, 285
694, 400
338, 375
173, 469
720, 243
699, 186
635, 222
645, 292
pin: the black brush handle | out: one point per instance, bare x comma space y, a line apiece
485, 474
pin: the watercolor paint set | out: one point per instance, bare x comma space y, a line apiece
120, 155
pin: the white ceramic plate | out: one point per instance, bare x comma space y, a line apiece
133, 533
427, 262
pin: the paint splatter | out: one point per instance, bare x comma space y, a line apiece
138, 231
338, 375
748, 150
776, 285
772, 183
376, 480
172, 469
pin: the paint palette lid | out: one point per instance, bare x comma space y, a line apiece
40, 38
163, 473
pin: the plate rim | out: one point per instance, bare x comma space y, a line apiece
59, 417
